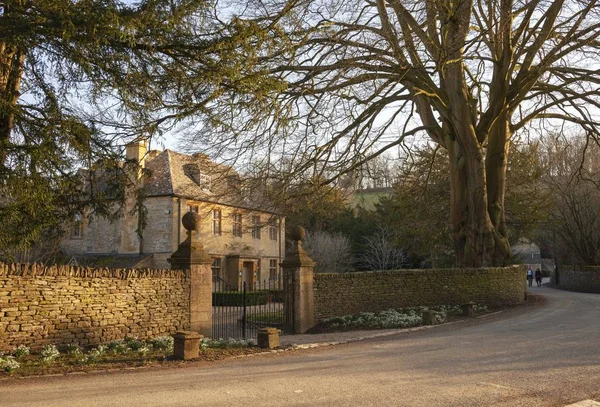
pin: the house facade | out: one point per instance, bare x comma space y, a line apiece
245, 241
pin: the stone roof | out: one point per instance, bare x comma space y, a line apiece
112, 260
195, 177
527, 251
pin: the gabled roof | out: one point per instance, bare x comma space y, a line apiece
157, 180
194, 177
526, 251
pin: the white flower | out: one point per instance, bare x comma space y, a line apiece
49, 353
21, 351
8, 363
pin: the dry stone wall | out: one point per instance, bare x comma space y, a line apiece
352, 293
74, 305
577, 278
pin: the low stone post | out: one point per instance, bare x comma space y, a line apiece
191, 257
268, 338
186, 345
429, 317
468, 309
298, 282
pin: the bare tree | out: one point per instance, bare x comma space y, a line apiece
575, 225
572, 233
381, 253
358, 77
330, 251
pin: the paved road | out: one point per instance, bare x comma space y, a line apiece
544, 356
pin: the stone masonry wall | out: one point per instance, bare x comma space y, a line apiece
62, 304
352, 293
576, 278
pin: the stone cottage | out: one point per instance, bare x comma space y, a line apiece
245, 241
528, 253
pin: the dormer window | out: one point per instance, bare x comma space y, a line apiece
193, 172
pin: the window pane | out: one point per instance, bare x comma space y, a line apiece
237, 224
216, 221
273, 269
256, 227
273, 229
216, 267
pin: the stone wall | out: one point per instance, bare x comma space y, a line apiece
162, 214
352, 293
577, 278
62, 304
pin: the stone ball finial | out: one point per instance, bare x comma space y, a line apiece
297, 233
191, 221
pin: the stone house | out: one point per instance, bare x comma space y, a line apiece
245, 241
528, 253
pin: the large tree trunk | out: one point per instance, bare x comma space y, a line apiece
477, 240
11, 72
496, 163
477, 208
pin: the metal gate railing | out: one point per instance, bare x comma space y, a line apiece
239, 311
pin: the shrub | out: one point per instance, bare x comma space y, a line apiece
21, 351
225, 343
162, 343
8, 363
117, 347
73, 350
95, 354
385, 319
236, 298
134, 344
49, 353
276, 295
402, 318
142, 350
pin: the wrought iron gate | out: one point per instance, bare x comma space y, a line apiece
240, 310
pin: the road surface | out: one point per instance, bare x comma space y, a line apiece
541, 356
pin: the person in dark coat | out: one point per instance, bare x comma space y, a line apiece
538, 277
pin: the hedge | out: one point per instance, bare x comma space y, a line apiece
236, 298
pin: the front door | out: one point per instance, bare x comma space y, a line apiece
248, 274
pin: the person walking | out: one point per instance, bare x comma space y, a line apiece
529, 277
538, 277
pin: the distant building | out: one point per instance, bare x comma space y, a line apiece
529, 253
245, 241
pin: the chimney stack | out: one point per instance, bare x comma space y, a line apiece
137, 150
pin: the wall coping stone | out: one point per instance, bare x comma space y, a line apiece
40, 270
377, 274
578, 268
